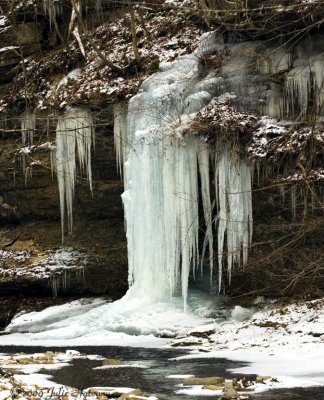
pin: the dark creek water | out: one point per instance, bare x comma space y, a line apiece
153, 379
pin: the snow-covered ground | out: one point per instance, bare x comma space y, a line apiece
285, 342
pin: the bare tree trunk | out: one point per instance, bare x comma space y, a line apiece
100, 54
59, 34
205, 11
145, 30
133, 28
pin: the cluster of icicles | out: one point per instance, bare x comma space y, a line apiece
161, 199
74, 140
74, 143
54, 8
304, 84
303, 81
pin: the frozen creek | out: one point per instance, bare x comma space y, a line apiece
154, 371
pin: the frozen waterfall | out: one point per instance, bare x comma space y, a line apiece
163, 170
74, 139
180, 192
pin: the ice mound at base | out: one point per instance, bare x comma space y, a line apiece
131, 315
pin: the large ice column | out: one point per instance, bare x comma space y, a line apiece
163, 169
74, 140
161, 176
161, 208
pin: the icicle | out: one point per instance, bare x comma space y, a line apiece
235, 211
52, 149
74, 136
120, 132
28, 174
258, 172
28, 125
203, 159
317, 67
99, 7
282, 192
54, 282
52, 8
298, 88
275, 105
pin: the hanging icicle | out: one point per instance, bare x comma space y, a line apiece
317, 67
203, 160
298, 87
28, 126
52, 8
233, 178
120, 131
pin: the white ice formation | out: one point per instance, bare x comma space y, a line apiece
28, 126
74, 140
163, 171
52, 8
